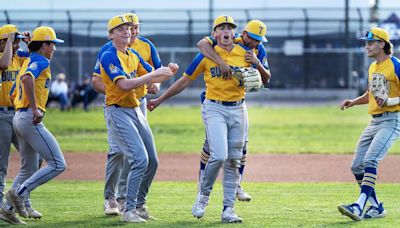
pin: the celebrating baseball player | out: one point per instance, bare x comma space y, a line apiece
32, 89
116, 159
127, 126
224, 115
252, 37
383, 98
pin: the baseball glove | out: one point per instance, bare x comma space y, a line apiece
250, 78
380, 89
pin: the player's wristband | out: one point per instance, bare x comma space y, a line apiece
392, 101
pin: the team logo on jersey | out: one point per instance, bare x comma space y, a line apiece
33, 66
113, 69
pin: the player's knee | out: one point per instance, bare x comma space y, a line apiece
370, 163
234, 163
61, 166
140, 163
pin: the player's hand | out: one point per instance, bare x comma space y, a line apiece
346, 104
27, 38
153, 88
153, 103
11, 37
174, 67
161, 74
251, 57
37, 116
226, 71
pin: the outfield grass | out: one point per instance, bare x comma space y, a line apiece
79, 204
180, 129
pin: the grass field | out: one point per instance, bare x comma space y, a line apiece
180, 129
79, 204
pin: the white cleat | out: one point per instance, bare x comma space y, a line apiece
132, 217
241, 195
111, 207
230, 216
199, 206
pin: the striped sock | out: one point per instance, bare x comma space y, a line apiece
367, 186
373, 199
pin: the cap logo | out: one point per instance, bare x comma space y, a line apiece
261, 28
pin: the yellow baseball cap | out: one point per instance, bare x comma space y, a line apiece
257, 30
131, 17
45, 33
117, 21
224, 19
377, 34
7, 29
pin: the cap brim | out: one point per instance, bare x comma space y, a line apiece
20, 36
370, 39
257, 37
58, 41
130, 23
233, 25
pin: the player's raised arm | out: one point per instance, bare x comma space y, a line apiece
208, 51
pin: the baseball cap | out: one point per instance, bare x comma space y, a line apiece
223, 19
377, 34
45, 33
257, 30
131, 17
7, 29
117, 21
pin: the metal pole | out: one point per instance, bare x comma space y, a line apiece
210, 12
7, 17
190, 28
347, 43
307, 46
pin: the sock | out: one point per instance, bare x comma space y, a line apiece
367, 186
372, 198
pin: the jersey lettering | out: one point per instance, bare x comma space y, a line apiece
9, 76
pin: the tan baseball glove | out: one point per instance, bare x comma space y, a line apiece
250, 78
380, 89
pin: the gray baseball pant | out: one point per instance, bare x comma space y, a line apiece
225, 128
35, 140
129, 129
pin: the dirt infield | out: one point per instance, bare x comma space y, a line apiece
260, 168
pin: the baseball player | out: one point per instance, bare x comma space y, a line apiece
384, 127
252, 37
32, 89
224, 115
127, 126
115, 159
11, 60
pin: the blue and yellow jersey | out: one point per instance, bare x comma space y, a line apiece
38, 67
218, 88
9, 76
390, 69
148, 52
259, 51
115, 65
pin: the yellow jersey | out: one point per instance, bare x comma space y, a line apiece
8, 77
38, 67
115, 65
218, 88
390, 69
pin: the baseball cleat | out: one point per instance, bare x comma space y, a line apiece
144, 213
352, 211
111, 207
375, 212
241, 195
121, 205
32, 213
17, 202
10, 217
132, 216
229, 216
199, 206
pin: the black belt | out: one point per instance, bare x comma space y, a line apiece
228, 103
117, 106
26, 109
4, 109
381, 114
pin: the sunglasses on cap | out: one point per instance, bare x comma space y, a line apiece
370, 35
